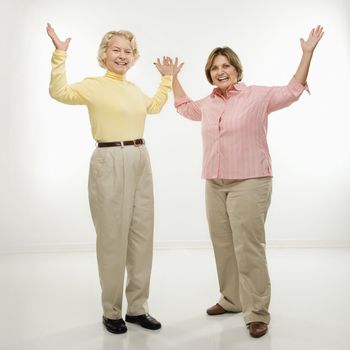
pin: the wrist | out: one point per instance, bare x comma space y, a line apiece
60, 52
308, 53
60, 48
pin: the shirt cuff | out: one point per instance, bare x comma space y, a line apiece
60, 53
166, 81
296, 88
180, 100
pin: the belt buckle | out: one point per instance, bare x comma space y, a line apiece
136, 144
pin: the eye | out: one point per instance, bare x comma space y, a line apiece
213, 68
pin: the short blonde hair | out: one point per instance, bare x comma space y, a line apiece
101, 56
231, 56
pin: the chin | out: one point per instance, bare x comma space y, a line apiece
121, 71
224, 87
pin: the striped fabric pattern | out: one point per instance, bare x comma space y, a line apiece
234, 128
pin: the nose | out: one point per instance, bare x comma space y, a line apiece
121, 55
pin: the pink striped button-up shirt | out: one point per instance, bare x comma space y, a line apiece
234, 128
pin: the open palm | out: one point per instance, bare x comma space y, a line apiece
59, 44
165, 67
177, 66
313, 39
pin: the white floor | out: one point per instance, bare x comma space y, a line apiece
51, 301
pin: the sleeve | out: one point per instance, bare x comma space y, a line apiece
282, 96
59, 89
188, 108
156, 103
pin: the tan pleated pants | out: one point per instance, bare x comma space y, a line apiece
121, 204
236, 212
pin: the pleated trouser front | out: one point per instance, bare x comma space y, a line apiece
236, 212
121, 204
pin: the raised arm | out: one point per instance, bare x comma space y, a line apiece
156, 103
184, 105
308, 48
59, 89
168, 67
177, 88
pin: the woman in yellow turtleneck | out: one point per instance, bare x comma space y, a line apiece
120, 178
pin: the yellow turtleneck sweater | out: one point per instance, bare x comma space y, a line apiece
117, 107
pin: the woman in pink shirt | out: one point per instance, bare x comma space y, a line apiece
237, 169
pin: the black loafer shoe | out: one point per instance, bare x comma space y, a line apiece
114, 326
145, 321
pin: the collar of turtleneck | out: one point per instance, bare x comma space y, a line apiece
114, 76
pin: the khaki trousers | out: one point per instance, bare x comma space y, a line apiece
236, 212
121, 204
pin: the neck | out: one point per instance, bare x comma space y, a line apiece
224, 90
114, 75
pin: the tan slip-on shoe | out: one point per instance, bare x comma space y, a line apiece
216, 310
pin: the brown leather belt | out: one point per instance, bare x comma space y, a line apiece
136, 143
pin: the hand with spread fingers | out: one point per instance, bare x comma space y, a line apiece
177, 66
164, 67
314, 37
308, 48
59, 44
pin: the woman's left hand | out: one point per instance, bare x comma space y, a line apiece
165, 67
313, 39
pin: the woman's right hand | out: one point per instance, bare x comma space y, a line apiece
59, 44
177, 67
177, 87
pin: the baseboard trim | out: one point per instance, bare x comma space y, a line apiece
171, 245
345, 243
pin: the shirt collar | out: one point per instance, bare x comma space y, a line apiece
114, 76
234, 88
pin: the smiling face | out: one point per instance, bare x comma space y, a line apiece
222, 73
119, 55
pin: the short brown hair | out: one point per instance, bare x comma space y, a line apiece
232, 58
101, 56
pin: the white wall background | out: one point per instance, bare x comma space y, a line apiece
45, 146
